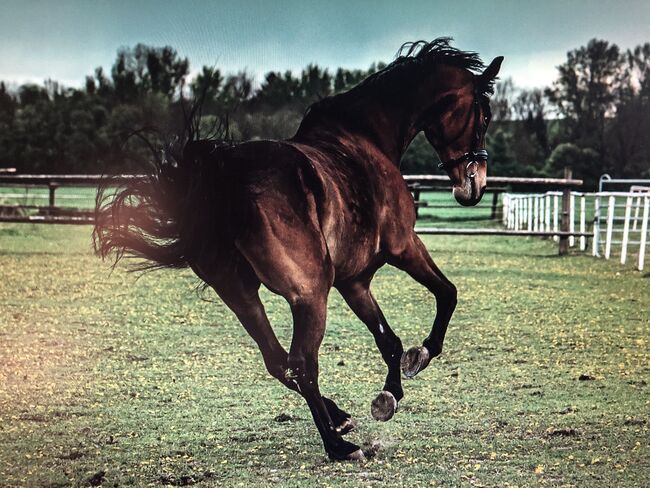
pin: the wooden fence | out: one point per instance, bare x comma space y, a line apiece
419, 184
563, 233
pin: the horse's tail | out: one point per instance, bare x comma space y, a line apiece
137, 217
160, 216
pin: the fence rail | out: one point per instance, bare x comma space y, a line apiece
418, 184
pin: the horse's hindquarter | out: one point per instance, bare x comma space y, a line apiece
366, 210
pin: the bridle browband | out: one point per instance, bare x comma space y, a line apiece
475, 155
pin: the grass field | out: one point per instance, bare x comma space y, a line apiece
109, 379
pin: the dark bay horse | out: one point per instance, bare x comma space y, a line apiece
326, 208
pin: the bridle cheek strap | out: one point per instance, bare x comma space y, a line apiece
472, 157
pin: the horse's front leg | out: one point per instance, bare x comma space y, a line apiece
417, 262
309, 327
358, 296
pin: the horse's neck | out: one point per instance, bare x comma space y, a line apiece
383, 126
389, 127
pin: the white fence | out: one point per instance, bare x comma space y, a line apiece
618, 224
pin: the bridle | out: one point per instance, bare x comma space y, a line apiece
475, 155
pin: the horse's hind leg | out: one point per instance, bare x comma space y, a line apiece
238, 287
240, 292
358, 296
292, 260
417, 262
309, 327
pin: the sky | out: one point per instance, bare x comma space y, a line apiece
65, 40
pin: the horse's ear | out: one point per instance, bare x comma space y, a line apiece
491, 71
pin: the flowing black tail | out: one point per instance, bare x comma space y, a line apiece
143, 217
162, 216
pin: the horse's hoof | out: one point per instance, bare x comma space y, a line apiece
415, 360
348, 425
354, 453
384, 406
357, 455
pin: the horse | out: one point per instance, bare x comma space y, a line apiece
323, 209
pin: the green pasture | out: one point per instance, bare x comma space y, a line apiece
118, 379
65, 196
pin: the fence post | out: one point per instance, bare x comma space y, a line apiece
495, 201
596, 238
556, 212
644, 232
636, 212
52, 187
547, 216
517, 211
416, 198
611, 208
566, 203
626, 229
583, 223
572, 218
522, 212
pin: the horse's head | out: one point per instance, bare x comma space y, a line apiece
461, 114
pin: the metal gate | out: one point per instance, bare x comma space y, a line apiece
634, 190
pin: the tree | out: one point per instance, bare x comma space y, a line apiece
315, 83
146, 69
580, 160
237, 90
419, 158
587, 90
31, 94
8, 104
207, 86
502, 101
502, 161
530, 108
627, 133
278, 90
345, 79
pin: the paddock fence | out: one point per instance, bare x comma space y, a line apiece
499, 187
69, 199
617, 222
50, 199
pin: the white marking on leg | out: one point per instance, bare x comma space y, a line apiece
381, 328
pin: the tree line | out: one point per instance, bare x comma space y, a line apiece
594, 117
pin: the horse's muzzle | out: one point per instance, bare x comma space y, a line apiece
470, 191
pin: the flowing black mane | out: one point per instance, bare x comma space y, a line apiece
420, 56
412, 60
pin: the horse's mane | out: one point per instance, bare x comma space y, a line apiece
412, 59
